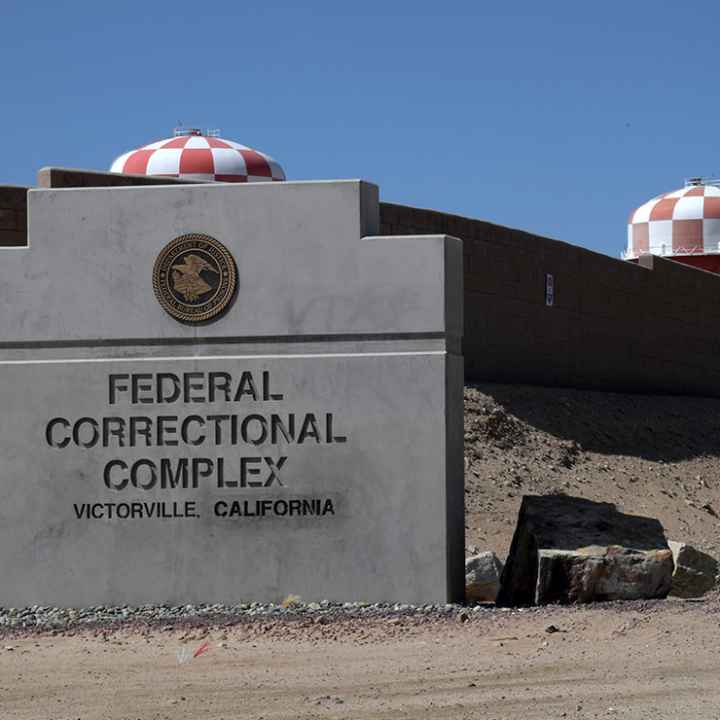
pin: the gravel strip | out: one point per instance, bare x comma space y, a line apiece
49, 618
40, 618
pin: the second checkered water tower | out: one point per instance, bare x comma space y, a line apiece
683, 225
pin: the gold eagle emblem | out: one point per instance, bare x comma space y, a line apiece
195, 278
187, 279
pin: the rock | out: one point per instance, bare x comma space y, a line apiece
482, 577
695, 572
572, 550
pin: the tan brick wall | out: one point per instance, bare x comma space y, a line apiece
13, 216
614, 325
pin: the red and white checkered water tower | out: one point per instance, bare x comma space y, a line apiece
683, 225
195, 154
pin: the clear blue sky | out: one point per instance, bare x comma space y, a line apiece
554, 117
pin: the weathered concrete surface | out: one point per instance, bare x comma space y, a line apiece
695, 571
110, 482
572, 550
482, 577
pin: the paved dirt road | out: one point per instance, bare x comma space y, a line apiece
655, 661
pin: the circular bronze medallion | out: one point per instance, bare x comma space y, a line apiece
194, 278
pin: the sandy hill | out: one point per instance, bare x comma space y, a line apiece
650, 455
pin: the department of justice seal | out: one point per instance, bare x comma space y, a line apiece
194, 278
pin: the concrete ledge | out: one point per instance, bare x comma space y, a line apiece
54, 177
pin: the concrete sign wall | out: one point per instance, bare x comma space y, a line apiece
306, 439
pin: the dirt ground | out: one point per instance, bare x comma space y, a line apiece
655, 456
656, 661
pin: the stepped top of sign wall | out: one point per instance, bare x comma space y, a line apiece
194, 154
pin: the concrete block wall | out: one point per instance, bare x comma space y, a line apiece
13, 216
650, 327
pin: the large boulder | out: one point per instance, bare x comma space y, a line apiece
695, 571
571, 550
482, 577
